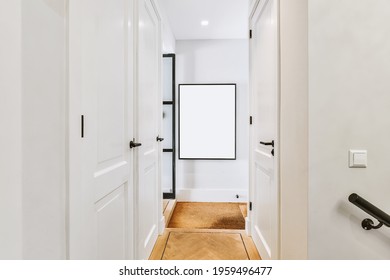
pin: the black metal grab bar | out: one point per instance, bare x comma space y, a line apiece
382, 217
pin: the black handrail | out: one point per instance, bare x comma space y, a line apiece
382, 217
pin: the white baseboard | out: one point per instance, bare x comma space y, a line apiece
212, 195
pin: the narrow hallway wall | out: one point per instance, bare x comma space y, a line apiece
216, 61
44, 128
349, 101
11, 131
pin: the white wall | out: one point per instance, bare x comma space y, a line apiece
216, 61
168, 39
43, 124
349, 99
33, 142
293, 129
11, 132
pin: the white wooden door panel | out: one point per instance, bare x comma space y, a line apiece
263, 198
100, 216
149, 100
264, 158
148, 218
111, 222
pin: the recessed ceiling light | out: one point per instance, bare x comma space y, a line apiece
204, 22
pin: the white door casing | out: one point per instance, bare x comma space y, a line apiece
264, 167
100, 164
148, 123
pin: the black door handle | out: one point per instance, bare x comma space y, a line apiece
159, 139
268, 143
134, 145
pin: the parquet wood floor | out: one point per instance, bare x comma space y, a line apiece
208, 215
204, 244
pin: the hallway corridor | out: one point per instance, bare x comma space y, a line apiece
108, 107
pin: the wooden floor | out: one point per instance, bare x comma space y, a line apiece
202, 244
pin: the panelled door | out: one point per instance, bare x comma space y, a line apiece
100, 98
149, 113
264, 131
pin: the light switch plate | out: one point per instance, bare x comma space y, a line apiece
357, 158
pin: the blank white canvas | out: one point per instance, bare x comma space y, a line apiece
207, 121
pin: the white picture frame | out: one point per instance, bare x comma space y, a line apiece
207, 121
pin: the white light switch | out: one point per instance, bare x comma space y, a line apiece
358, 158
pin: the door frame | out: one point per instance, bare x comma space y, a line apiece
161, 218
136, 121
257, 7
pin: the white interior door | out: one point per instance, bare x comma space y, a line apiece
264, 157
100, 163
149, 102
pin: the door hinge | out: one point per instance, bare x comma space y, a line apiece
250, 33
82, 126
250, 206
250, 120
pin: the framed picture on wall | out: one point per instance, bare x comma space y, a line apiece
207, 121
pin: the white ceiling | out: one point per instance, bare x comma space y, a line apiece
228, 19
